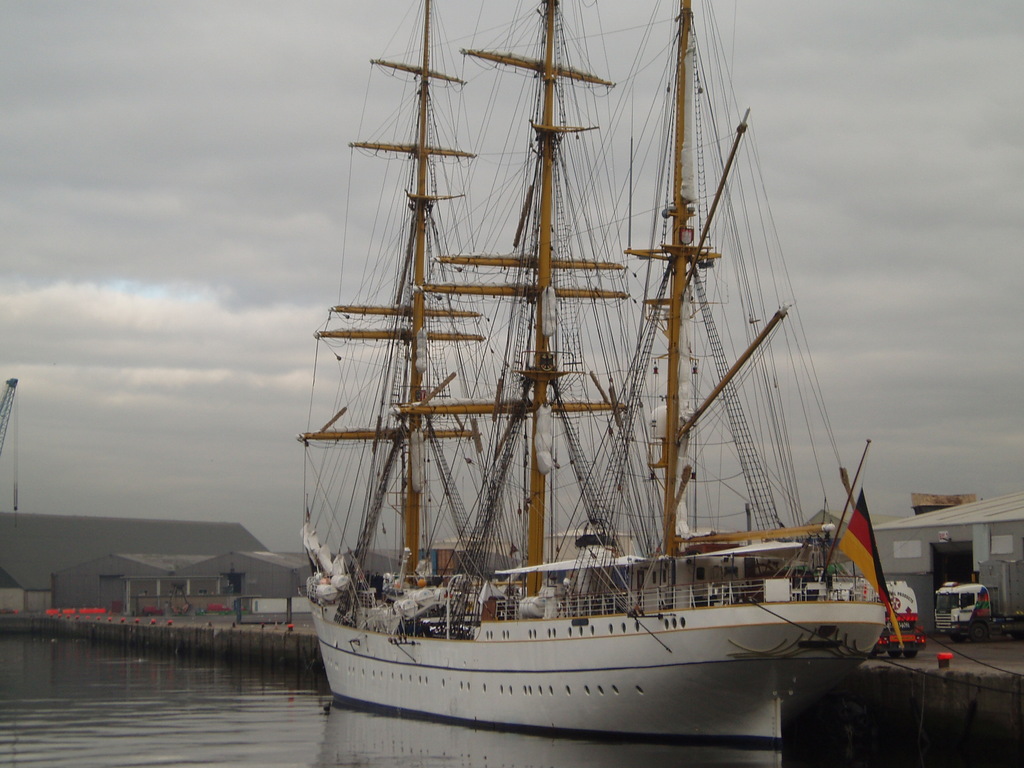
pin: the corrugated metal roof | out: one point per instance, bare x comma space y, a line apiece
169, 563
34, 546
1002, 509
283, 559
244, 560
6, 582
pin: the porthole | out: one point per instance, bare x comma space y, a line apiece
586, 689
600, 690
640, 690
568, 691
615, 690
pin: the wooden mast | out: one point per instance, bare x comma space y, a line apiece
682, 260
544, 363
683, 256
409, 310
420, 201
543, 367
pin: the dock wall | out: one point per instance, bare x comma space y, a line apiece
272, 647
966, 709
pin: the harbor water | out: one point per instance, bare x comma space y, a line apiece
70, 703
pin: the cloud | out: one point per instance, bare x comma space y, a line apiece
142, 400
180, 205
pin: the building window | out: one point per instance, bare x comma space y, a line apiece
1002, 545
906, 549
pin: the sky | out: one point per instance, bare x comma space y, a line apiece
173, 184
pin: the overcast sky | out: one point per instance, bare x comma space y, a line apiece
173, 177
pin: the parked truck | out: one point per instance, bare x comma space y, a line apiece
904, 604
976, 611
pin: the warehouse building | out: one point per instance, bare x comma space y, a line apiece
177, 585
35, 547
949, 544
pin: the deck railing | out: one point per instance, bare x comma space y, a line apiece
679, 597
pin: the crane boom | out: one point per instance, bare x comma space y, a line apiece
6, 403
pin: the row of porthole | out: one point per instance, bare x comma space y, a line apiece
421, 679
670, 623
527, 689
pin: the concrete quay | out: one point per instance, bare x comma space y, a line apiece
271, 645
971, 703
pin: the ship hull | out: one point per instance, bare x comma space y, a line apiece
731, 674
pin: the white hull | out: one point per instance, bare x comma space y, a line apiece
730, 673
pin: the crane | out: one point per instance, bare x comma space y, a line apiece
6, 403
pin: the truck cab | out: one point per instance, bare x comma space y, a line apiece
963, 611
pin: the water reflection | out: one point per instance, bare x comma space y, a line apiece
67, 704
360, 739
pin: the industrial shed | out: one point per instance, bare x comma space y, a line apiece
116, 582
174, 585
34, 547
266, 576
950, 544
10, 592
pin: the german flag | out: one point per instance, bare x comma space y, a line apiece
858, 543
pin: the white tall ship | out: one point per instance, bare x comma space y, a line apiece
531, 455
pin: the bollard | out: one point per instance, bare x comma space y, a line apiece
944, 659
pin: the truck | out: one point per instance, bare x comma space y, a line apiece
904, 604
978, 610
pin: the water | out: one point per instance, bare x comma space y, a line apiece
69, 703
